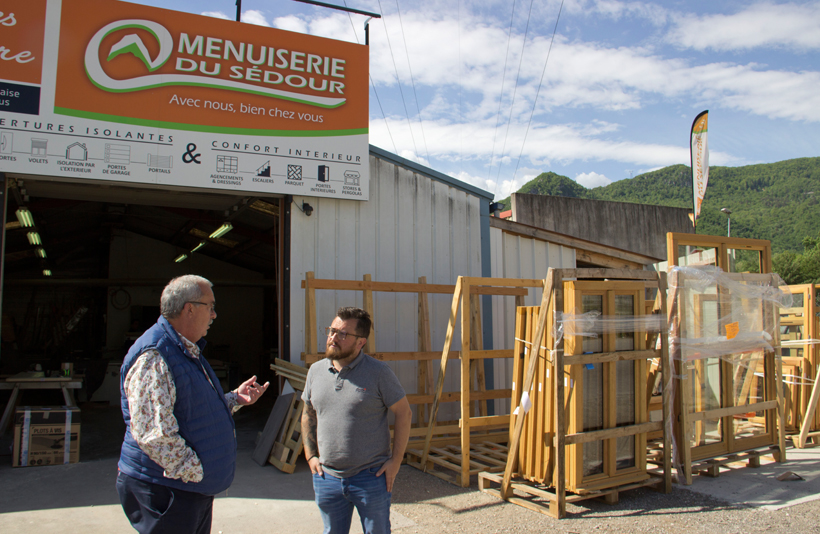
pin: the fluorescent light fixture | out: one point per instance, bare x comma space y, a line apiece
222, 230
199, 246
34, 238
25, 218
181, 258
46, 272
41, 252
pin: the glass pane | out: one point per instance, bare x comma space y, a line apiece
593, 303
593, 387
625, 306
705, 379
625, 412
689, 255
743, 261
748, 389
789, 333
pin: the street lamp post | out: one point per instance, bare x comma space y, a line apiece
728, 213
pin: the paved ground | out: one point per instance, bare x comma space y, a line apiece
81, 498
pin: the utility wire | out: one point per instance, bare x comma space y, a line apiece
537, 92
515, 90
413, 82
460, 109
501, 94
398, 81
373, 85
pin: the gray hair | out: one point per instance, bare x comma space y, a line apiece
180, 290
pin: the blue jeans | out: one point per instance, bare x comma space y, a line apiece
336, 498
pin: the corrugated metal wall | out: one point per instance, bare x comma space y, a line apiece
516, 256
412, 226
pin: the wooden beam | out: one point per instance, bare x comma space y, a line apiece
610, 433
389, 287
445, 356
582, 256
502, 291
601, 357
732, 410
453, 396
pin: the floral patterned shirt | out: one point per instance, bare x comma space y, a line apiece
151, 397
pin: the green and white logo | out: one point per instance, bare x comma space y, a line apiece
132, 43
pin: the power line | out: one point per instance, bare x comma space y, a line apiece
398, 81
413, 82
373, 85
515, 90
537, 92
460, 109
501, 94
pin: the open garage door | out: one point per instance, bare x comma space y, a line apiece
85, 263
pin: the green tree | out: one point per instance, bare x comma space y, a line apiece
802, 268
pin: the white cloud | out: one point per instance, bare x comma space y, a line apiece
291, 23
592, 179
254, 16
468, 178
618, 10
216, 15
760, 25
458, 61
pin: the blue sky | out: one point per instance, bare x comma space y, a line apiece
481, 91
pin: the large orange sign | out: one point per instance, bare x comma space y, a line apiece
154, 65
131, 93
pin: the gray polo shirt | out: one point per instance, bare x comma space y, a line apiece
351, 409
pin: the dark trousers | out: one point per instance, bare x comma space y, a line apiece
156, 509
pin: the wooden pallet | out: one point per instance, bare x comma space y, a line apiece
545, 500
288, 446
280, 443
445, 462
711, 467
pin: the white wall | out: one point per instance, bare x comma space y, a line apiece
412, 226
516, 256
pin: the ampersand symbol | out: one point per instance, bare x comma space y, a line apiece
189, 156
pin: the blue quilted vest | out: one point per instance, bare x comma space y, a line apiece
205, 421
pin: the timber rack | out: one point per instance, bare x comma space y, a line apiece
479, 438
800, 327
473, 395
549, 462
724, 328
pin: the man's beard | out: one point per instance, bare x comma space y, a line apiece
338, 354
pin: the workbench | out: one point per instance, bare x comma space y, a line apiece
30, 380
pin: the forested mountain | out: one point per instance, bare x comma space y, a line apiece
774, 201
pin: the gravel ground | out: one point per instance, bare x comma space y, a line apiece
437, 507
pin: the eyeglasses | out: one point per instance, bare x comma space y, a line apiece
330, 331
212, 306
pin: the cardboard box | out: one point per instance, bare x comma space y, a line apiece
46, 435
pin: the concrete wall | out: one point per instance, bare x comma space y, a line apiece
638, 228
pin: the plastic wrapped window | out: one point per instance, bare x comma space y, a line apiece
725, 315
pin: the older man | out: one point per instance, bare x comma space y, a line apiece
180, 445
348, 397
